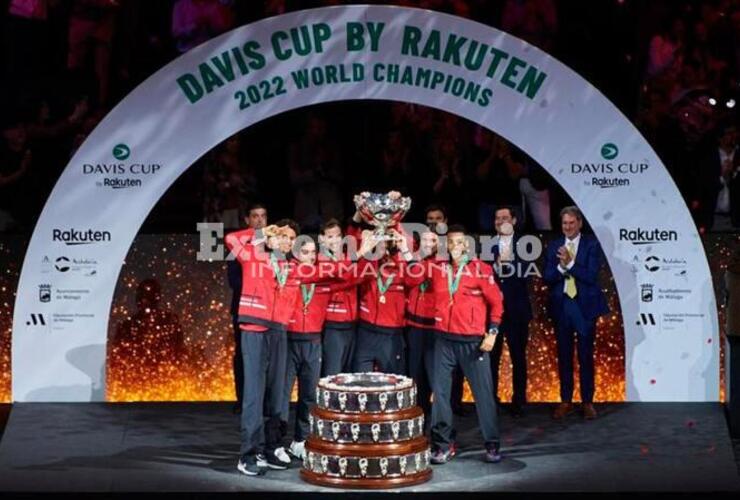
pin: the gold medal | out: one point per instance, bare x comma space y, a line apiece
382, 299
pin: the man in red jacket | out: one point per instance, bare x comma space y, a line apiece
270, 293
380, 340
468, 309
420, 310
304, 346
340, 327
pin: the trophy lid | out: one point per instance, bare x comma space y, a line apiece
368, 381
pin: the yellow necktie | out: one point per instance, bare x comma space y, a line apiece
570, 281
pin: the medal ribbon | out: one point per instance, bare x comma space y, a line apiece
330, 255
384, 286
307, 293
454, 284
280, 274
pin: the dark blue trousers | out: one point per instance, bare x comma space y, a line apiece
420, 363
338, 350
476, 367
264, 355
386, 350
238, 361
304, 363
516, 333
572, 326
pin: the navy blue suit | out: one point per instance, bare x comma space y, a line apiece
576, 315
514, 325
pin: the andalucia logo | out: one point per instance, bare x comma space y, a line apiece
121, 152
609, 151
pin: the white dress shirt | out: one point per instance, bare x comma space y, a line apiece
506, 246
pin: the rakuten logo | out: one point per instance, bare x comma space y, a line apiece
80, 236
639, 236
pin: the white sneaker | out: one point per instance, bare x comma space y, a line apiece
297, 449
282, 455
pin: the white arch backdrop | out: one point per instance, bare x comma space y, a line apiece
365, 52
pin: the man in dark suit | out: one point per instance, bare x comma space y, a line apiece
518, 311
256, 219
572, 264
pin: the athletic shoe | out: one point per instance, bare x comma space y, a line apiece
282, 455
273, 460
297, 449
493, 455
248, 464
440, 457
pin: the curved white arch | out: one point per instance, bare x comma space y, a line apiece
562, 122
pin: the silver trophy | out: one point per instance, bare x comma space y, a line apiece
342, 400
324, 463
381, 211
383, 466
342, 466
363, 467
355, 429
402, 464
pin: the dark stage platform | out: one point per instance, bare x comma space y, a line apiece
193, 447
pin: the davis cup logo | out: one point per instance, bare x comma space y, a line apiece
609, 151
121, 152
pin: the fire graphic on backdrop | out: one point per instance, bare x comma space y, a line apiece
175, 342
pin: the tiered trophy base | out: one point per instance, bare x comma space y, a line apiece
367, 466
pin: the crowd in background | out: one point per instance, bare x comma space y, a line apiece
671, 66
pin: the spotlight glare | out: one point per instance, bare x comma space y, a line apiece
712, 101
730, 104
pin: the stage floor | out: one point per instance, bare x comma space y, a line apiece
194, 447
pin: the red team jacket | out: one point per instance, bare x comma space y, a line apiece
420, 306
341, 310
477, 305
389, 316
263, 303
308, 321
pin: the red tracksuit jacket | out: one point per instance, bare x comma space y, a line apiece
420, 306
263, 302
341, 310
308, 321
475, 307
389, 316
